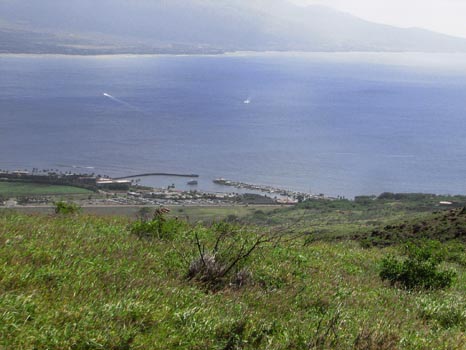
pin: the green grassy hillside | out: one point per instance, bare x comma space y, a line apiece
84, 282
443, 226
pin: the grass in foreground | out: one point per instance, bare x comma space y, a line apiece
82, 282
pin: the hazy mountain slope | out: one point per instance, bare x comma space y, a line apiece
225, 25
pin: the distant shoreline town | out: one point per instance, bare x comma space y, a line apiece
125, 190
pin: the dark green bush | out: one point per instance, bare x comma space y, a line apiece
65, 208
419, 270
426, 250
455, 252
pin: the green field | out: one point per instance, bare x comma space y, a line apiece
89, 282
13, 189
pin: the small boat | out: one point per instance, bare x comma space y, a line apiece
192, 182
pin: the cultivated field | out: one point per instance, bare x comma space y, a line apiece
14, 189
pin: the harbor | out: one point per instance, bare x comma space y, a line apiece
169, 189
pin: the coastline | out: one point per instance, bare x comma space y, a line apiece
229, 54
449, 62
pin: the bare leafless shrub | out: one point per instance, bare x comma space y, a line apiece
206, 269
224, 263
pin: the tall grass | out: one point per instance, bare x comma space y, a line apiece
84, 282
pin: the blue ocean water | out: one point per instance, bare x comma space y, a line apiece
339, 124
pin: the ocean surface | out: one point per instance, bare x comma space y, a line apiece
338, 124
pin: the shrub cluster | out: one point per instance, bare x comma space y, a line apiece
65, 208
158, 227
419, 270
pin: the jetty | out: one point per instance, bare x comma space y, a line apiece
155, 174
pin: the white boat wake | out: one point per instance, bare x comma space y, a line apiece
124, 103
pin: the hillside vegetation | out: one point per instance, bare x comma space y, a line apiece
86, 282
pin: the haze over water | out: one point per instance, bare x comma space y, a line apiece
339, 124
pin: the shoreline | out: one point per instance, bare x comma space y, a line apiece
225, 54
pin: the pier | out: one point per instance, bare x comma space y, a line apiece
155, 174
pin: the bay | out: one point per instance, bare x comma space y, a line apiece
333, 123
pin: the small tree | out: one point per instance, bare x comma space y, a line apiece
158, 227
66, 208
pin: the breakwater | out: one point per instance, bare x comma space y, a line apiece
155, 174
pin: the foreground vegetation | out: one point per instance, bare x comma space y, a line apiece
84, 282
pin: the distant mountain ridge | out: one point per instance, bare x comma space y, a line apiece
199, 26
